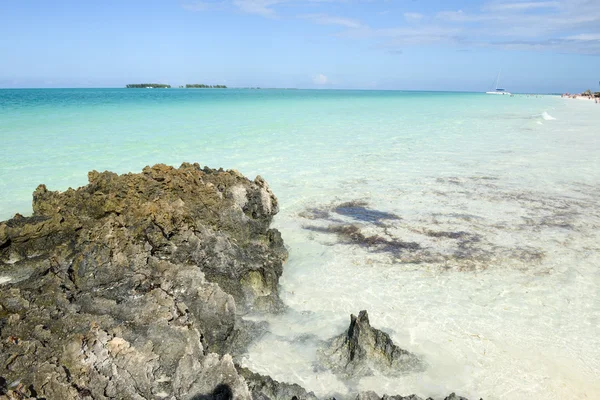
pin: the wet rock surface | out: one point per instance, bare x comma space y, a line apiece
364, 350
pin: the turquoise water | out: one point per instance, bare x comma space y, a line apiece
515, 316
56, 136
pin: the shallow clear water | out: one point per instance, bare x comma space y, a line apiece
500, 194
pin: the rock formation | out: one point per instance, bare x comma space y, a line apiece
133, 287
364, 350
130, 287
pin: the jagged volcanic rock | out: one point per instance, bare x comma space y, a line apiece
363, 350
130, 287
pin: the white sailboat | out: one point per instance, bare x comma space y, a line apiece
498, 90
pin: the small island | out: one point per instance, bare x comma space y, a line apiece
147, 86
203, 86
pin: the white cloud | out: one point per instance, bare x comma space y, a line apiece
461, 16
395, 37
585, 37
413, 16
325, 19
571, 26
265, 8
320, 79
198, 6
259, 7
521, 6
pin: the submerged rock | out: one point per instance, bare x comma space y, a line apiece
132, 286
364, 350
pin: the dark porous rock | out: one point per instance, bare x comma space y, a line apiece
364, 350
132, 287
265, 388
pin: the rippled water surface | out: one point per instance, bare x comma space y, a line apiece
467, 225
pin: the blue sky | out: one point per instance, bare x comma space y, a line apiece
540, 46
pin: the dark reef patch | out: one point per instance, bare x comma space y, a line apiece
452, 235
315, 213
354, 223
359, 211
351, 234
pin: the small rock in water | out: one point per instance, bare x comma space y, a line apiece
364, 350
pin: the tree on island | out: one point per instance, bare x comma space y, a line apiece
203, 86
147, 85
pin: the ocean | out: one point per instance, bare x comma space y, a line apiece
467, 225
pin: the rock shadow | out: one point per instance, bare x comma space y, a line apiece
221, 392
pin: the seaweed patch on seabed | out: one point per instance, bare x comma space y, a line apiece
351, 234
356, 210
355, 223
471, 223
350, 221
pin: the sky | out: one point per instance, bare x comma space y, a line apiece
536, 46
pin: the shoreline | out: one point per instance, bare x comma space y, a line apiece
581, 96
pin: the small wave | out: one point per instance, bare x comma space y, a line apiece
547, 116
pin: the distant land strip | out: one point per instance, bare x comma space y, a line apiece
147, 85
165, 86
203, 86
